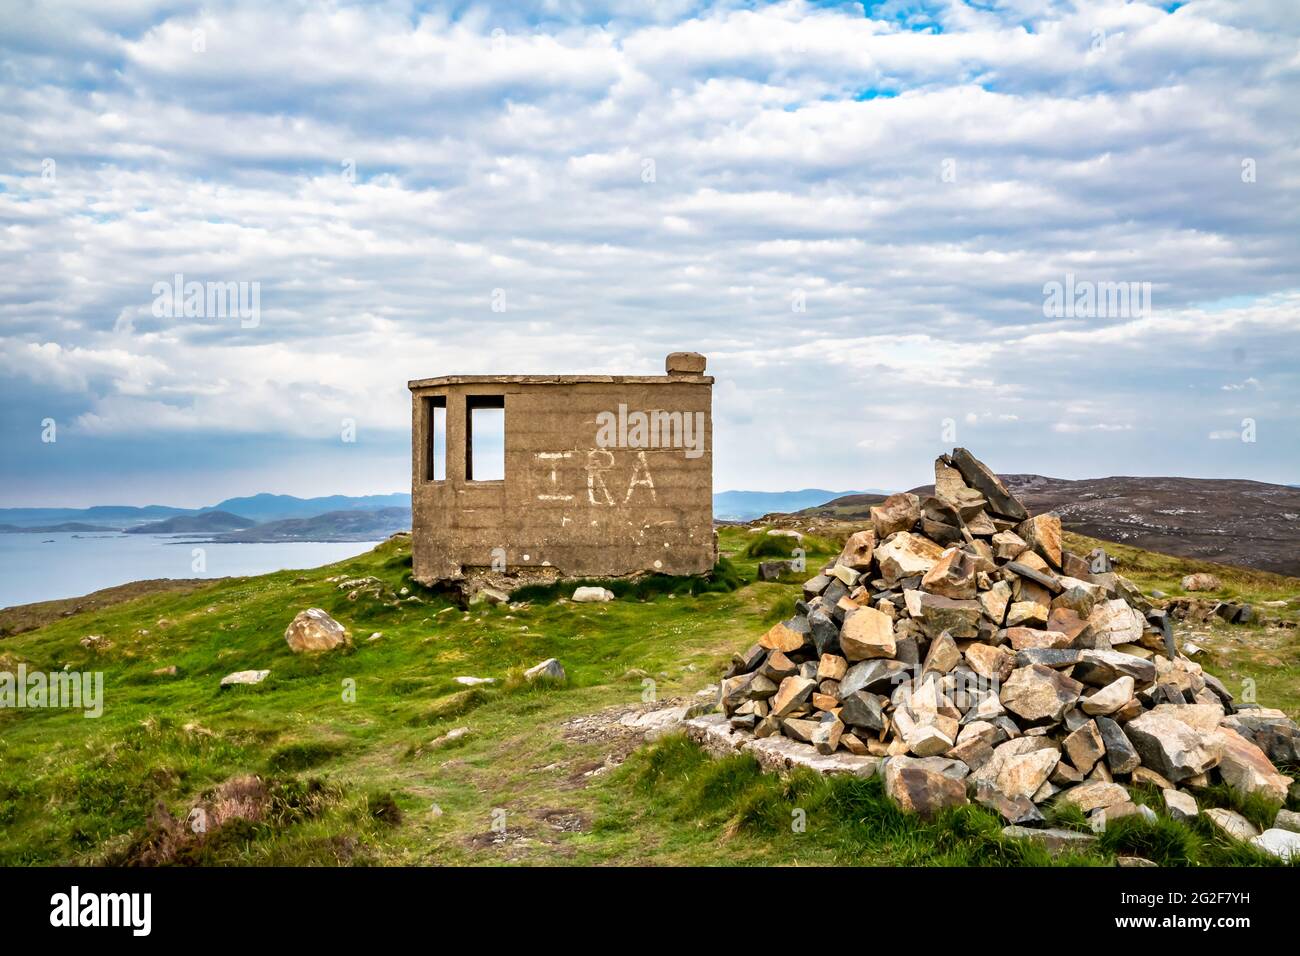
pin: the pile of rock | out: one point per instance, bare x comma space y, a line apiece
959, 649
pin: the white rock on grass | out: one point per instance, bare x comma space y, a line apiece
1231, 823
475, 681
591, 595
1283, 844
244, 677
548, 670
456, 733
656, 723
313, 630
1181, 806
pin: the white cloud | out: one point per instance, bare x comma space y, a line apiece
795, 148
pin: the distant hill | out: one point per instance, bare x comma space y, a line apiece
267, 507
63, 527
263, 507
368, 525
747, 505
210, 522
118, 515
1249, 524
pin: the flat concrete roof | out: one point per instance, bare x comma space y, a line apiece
558, 380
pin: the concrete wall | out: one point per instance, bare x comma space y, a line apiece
566, 502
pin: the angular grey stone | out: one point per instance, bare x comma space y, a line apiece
1038, 693
879, 675
742, 662
1049, 581
549, 669
815, 586
979, 476
1099, 668
863, 709
1048, 656
1055, 841
825, 632
1120, 755
773, 570
1172, 748
1018, 811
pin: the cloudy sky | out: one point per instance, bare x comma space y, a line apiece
853, 211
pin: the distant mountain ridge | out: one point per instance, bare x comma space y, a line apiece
353, 525
268, 507
747, 505
256, 508
260, 508
1250, 524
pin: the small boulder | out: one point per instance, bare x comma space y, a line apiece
1093, 795
858, 551
896, 513
792, 693
1231, 823
1247, 770
906, 555
313, 631
866, 634
548, 670
1202, 581
243, 678
1110, 698
772, 570
1283, 844
917, 785
1043, 534
1038, 693
592, 595
1053, 840
1181, 806
1172, 748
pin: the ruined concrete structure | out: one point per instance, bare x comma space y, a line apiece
592, 476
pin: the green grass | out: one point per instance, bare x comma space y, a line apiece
712, 811
345, 743
763, 546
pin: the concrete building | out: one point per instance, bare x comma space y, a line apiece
535, 476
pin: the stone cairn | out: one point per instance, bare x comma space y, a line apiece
956, 648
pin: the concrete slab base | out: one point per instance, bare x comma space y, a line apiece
715, 735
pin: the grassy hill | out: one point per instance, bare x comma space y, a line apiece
345, 746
